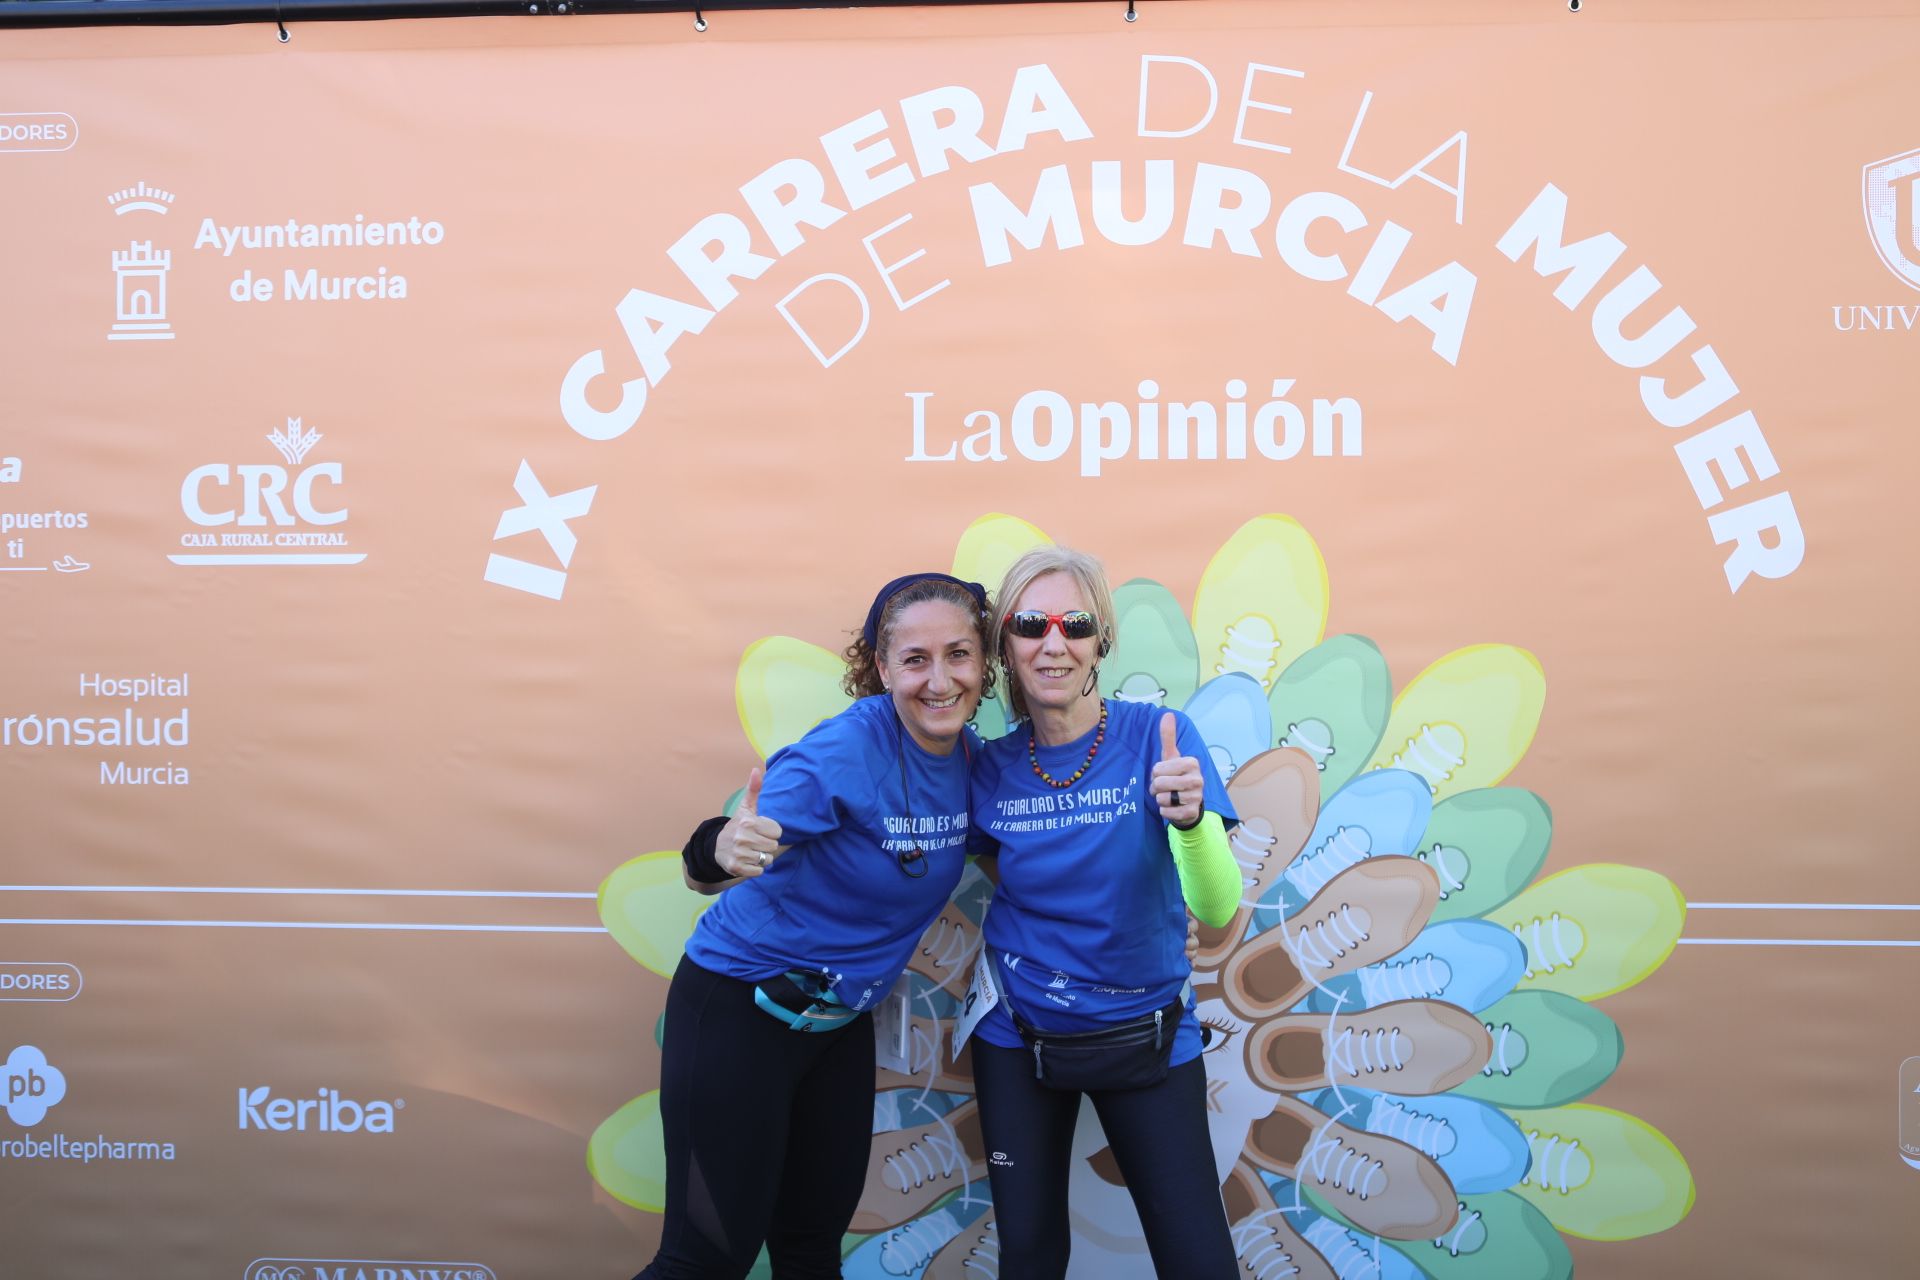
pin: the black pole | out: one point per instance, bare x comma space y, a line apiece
100, 13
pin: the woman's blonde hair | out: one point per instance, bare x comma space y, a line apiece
1086, 573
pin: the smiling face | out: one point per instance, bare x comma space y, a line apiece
1052, 670
932, 668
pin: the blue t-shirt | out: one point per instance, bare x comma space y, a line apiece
1088, 927
837, 902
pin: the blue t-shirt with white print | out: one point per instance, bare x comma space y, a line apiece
1088, 927
837, 902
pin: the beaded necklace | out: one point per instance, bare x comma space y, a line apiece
1033, 755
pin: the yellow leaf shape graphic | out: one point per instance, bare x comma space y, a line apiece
1262, 601
649, 910
1467, 720
785, 687
990, 545
627, 1155
1594, 929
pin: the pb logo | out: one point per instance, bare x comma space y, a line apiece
253, 494
32, 1086
1893, 214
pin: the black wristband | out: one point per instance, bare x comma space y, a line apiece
699, 858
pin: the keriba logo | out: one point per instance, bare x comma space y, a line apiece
325, 1112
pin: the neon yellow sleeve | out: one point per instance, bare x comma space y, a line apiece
1209, 877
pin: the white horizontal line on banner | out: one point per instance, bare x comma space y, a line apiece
1803, 906
1801, 942
320, 924
318, 893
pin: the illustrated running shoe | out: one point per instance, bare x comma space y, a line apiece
1377, 813
1351, 1256
973, 1254
908, 1248
1264, 1241
1470, 963
1230, 711
783, 688
647, 908
989, 546
1485, 846
1548, 1050
1497, 1235
1332, 703
1596, 929
1368, 912
1465, 721
627, 1154
1478, 1146
1154, 660
1409, 1047
1276, 795
1262, 601
910, 1168
1602, 1174
1378, 1184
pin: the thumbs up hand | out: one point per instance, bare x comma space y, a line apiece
749, 843
1178, 787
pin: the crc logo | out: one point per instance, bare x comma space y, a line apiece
363, 1269
1893, 214
325, 1112
252, 494
32, 1086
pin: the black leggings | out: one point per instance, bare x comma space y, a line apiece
767, 1132
1157, 1138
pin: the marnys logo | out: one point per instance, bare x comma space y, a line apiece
254, 498
363, 1269
32, 1086
325, 1112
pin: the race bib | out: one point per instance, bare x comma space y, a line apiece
981, 997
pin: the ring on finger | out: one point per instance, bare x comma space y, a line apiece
763, 859
1176, 799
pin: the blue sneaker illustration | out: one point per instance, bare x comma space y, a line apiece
1378, 813
1478, 1146
1471, 963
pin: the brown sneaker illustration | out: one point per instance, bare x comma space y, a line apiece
911, 1168
1366, 913
1378, 1184
1413, 1047
1264, 1242
974, 1254
1277, 795
946, 951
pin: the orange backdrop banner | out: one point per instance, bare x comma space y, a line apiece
442, 458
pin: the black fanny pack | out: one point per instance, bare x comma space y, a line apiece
1132, 1055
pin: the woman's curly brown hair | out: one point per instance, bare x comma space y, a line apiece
862, 677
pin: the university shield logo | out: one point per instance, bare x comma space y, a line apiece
1893, 214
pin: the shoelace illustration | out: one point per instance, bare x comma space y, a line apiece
1544, 941
914, 1165
1256, 1242
912, 1245
1319, 944
1365, 1050
1498, 1061
1421, 978
1545, 1149
1433, 753
1466, 1234
1333, 1162
1346, 846
1442, 858
984, 1256
1349, 1259
1251, 850
953, 943
1418, 1129
1315, 737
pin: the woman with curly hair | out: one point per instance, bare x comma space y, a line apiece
837, 860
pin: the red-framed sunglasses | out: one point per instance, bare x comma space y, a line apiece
1032, 624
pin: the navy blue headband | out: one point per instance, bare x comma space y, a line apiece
871, 631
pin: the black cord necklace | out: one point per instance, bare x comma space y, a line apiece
912, 861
